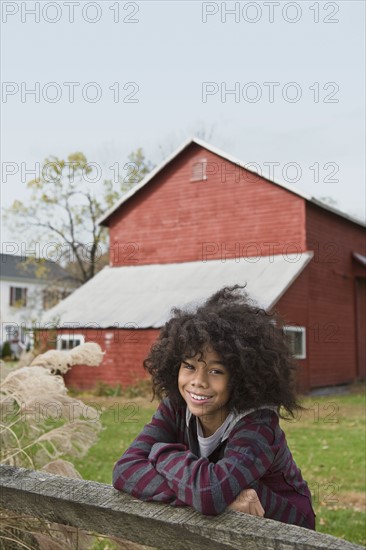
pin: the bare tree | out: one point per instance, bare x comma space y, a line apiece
65, 204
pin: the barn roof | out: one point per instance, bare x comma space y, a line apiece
103, 220
142, 296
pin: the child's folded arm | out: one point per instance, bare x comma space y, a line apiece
138, 477
134, 473
277, 507
210, 487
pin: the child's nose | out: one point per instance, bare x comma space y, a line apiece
200, 378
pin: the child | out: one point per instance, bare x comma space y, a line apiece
223, 372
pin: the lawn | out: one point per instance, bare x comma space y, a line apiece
327, 442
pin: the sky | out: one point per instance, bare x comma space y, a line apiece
279, 85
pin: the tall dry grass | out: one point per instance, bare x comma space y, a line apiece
40, 425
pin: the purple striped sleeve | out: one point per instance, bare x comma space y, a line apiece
134, 473
282, 509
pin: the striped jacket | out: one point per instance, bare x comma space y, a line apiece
163, 464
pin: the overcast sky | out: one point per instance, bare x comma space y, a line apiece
268, 82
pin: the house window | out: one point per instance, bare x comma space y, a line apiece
296, 340
198, 172
69, 341
11, 332
18, 296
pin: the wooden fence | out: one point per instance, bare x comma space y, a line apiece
97, 507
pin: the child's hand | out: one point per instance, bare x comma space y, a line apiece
247, 502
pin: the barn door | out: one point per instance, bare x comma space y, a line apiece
361, 326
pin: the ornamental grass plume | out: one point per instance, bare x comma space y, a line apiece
39, 422
26, 357
39, 425
59, 361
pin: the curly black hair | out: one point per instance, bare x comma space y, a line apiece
250, 342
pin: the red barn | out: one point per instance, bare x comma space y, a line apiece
199, 221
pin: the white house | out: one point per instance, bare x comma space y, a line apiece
28, 287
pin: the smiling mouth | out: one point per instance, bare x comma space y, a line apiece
199, 398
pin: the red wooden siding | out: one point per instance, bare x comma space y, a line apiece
125, 351
233, 213
293, 308
331, 299
361, 326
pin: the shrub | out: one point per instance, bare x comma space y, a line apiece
102, 389
6, 351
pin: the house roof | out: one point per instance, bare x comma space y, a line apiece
103, 220
17, 267
142, 296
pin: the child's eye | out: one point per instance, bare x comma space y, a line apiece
216, 371
187, 365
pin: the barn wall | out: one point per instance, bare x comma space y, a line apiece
293, 308
360, 295
125, 351
332, 316
234, 213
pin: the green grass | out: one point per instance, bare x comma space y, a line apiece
122, 420
327, 442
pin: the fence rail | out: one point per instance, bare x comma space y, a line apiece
100, 508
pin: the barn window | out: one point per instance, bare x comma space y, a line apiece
69, 341
296, 340
198, 172
18, 296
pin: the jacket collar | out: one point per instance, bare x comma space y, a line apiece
192, 425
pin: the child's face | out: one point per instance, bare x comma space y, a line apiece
203, 383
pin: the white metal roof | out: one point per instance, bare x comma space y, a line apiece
142, 296
230, 158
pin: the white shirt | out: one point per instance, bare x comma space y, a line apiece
208, 444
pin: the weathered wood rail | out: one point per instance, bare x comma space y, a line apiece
100, 508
